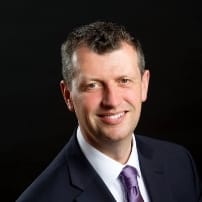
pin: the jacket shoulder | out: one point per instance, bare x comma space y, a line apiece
159, 145
53, 181
177, 162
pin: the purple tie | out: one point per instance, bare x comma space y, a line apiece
128, 178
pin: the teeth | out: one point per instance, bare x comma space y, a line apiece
115, 116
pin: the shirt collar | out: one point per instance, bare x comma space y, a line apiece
106, 167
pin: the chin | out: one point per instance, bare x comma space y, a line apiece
115, 136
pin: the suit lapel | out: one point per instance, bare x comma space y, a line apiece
95, 191
153, 172
84, 177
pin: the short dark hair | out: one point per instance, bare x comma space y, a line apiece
101, 37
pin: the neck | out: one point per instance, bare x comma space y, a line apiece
117, 150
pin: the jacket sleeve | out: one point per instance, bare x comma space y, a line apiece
197, 180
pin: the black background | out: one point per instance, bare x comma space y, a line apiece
35, 123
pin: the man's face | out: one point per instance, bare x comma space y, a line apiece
106, 94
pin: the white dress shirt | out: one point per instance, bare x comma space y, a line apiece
109, 169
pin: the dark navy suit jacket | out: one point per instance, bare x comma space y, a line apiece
169, 173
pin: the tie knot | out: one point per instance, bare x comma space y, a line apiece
129, 176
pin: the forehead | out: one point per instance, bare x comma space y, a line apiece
84, 56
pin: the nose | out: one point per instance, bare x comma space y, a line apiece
111, 97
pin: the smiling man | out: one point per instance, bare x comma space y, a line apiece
105, 83
106, 94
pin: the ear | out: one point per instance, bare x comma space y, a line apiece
66, 95
145, 84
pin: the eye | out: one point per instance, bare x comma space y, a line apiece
92, 85
125, 80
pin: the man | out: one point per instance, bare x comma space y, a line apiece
105, 83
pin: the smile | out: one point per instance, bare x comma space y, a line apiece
113, 118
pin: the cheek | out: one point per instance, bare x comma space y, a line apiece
86, 102
133, 96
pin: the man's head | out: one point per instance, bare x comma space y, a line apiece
100, 37
104, 83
